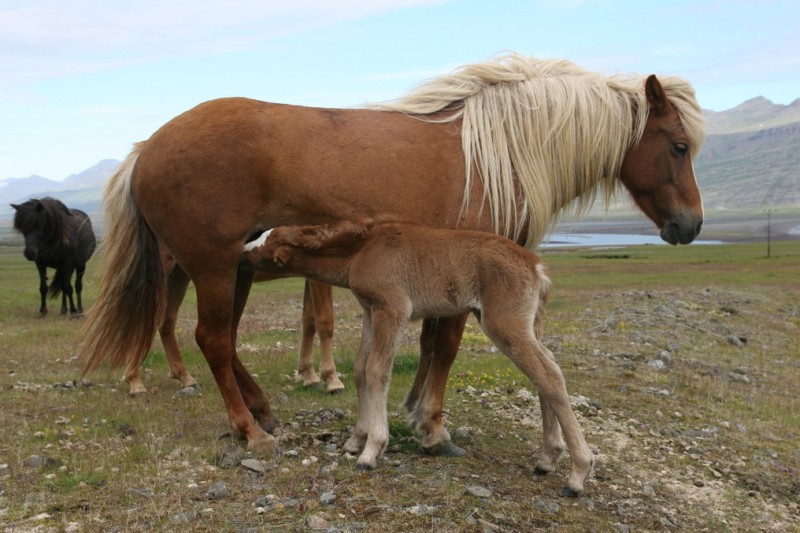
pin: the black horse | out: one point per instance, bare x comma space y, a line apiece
56, 237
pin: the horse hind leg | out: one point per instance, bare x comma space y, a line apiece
322, 297
215, 334
305, 362
177, 284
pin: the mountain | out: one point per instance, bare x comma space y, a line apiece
751, 159
79, 191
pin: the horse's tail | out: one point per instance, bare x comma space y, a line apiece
130, 307
57, 283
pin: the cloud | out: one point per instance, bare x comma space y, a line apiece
43, 39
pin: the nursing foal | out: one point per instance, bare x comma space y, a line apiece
400, 272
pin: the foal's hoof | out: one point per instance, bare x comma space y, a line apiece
364, 467
334, 392
445, 449
540, 472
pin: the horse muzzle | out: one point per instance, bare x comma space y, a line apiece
30, 255
682, 229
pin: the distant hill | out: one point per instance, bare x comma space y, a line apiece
751, 159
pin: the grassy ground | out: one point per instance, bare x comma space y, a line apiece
683, 365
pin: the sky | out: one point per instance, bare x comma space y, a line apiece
82, 80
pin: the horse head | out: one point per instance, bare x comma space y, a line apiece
658, 171
28, 220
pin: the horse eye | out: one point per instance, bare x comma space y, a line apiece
680, 149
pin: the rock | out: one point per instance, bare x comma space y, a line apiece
218, 491
144, 493
230, 456
549, 507
183, 517
479, 492
327, 498
658, 364
34, 461
525, 395
187, 392
463, 434
739, 342
317, 522
738, 377
254, 465
622, 528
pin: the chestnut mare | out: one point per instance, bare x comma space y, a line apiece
317, 319
504, 146
434, 272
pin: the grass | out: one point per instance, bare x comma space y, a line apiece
719, 454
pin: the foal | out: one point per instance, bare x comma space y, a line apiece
400, 272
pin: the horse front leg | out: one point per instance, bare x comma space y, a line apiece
215, 335
426, 347
322, 298
42, 288
79, 272
253, 395
426, 416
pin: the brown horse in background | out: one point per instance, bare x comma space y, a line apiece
317, 319
505, 146
401, 272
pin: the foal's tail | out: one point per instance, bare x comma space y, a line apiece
132, 299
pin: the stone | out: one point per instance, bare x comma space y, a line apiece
479, 492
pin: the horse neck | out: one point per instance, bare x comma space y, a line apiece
326, 268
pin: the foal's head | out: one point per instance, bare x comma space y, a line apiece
658, 171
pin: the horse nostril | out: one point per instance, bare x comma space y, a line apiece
699, 226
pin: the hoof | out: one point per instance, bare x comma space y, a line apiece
569, 493
191, 390
334, 392
364, 467
445, 449
540, 472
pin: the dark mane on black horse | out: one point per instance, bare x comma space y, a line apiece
56, 237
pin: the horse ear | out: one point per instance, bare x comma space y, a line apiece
39, 206
15, 206
655, 95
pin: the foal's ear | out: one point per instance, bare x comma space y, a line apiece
655, 95
282, 255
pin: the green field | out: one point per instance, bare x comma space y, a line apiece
683, 364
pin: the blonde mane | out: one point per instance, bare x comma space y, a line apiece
557, 130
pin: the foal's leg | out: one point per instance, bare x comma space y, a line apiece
386, 327
426, 416
322, 298
214, 334
177, 283
359, 436
305, 363
514, 336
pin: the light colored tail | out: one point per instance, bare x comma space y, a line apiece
130, 307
